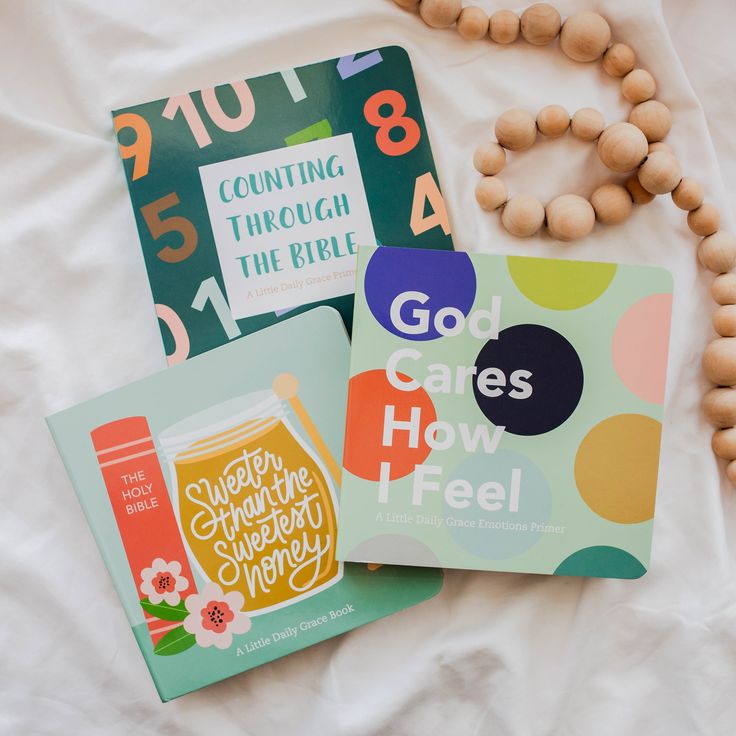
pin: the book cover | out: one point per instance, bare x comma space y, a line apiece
212, 491
251, 197
504, 413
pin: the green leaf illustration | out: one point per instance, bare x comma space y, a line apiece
164, 611
176, 641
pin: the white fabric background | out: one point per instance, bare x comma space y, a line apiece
493, 653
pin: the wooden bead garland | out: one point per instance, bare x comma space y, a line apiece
638, 86
619, 60
440, 13
660, 146
553, 121
723, 289
719, 406
652, 118
724, 443
585, 37
516, 130
472, 23
719, 363
634, 146
688, 195
622, 147
612, 204
569, 217
704, 220
489, 158
639, 195
540, 24
717, 252
587, 124
660, 173
523, 215
490, 192
724, 320
505, 27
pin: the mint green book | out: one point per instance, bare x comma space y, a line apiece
504, 413
212, 489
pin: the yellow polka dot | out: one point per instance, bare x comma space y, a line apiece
558, 284
616, 468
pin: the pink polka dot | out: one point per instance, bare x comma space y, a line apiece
639, 347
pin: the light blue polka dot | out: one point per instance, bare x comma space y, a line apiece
498, 535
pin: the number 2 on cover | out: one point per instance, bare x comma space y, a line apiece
349, 66
395, 119
159, 226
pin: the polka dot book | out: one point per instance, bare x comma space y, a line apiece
504, 413
252, 197
212, 489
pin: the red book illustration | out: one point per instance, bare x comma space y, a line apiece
145, 518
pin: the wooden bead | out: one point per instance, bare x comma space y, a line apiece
659, 146
523, 215
619, 60
717, 252
490, 192
540, 24
724, 320
472, 24
553, 121
638, 86
637, 191
440, 13
585, 36
731, 472
504, 26
622, 147
724, 444
587, 124
489, 158
516, 130
719, 364
719, 407
408, 4
612, 204
723, 289
688, 194
704, 220
660, 173
569, 217
652, 118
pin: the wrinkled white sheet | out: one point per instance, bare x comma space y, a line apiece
493, 653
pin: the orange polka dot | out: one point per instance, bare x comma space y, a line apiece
616, 468
369, 395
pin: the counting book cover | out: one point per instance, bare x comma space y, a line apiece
504, 413
251, 197
212, 490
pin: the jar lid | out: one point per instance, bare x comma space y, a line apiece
221, 425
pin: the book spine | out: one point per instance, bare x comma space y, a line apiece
140, 501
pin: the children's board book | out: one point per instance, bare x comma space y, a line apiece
504, 413
212, 491
251, 197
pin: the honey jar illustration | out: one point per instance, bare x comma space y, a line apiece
255, 503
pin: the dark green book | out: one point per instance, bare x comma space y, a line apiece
252, 197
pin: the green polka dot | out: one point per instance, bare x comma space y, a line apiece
558, 284
601, 562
